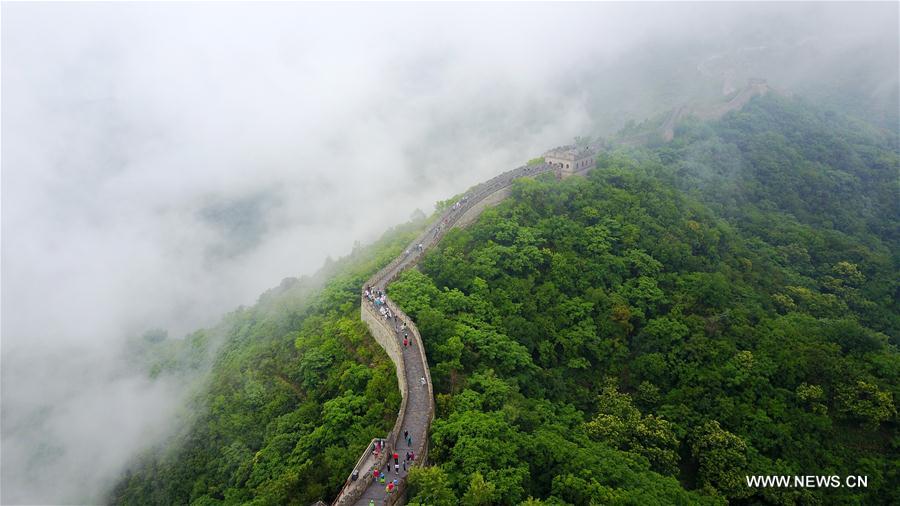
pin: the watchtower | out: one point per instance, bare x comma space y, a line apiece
567, 160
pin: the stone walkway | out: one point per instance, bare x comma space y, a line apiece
416, 420
418, 412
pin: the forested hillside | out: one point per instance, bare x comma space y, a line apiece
722, 306
296, 391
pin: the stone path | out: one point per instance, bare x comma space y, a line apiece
417, 407
416, 420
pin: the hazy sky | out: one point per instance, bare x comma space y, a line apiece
164, 163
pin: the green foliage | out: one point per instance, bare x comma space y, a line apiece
429, 486
620, 425
480, 492
296, 391
737, 286
723, 460
866, 402
683, 316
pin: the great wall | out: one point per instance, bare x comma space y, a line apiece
703, 111
417, 405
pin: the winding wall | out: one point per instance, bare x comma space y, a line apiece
417, 407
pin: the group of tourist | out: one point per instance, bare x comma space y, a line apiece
459, 203
446, 221
381, 477
379, 299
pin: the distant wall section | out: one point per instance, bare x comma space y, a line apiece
475, 211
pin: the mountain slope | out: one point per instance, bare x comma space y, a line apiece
683, 317
297, 388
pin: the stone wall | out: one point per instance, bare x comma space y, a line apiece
384, 335
475, 211
484, 195
353, 489
422, 448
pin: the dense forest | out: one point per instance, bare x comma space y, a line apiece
687, 314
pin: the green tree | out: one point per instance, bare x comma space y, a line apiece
723, 460
430, 486
865, 402
480, 492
